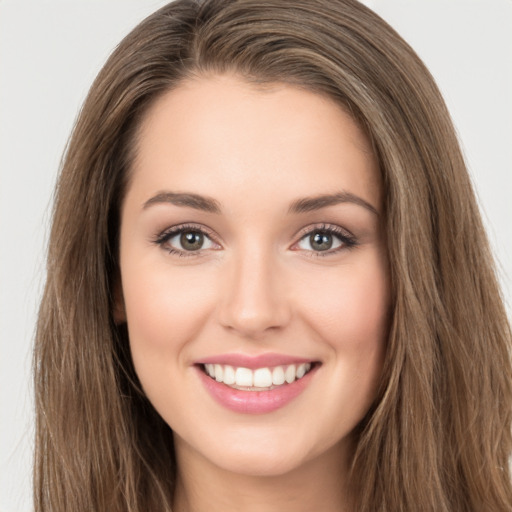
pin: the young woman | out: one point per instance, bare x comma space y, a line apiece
268, 283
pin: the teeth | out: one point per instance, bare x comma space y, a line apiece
243, 377
219, 373
301, 371
278, 376
289, 374
229, 375
260, 378
210, 370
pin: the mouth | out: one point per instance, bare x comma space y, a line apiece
257, 379
256, 385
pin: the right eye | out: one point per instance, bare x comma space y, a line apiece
185, 241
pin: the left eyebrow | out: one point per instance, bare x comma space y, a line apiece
309, 204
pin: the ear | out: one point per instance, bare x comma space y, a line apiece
118, 308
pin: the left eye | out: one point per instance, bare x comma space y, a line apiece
189, 241
320, 241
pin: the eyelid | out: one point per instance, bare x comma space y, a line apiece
347, 238
324, 226
164, 236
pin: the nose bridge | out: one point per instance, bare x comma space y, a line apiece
254, 298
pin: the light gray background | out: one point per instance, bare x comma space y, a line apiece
50, 52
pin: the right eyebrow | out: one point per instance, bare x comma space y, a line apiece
189, 200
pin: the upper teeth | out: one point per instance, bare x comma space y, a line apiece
258, 378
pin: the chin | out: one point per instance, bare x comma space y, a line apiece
257, 463
267, 452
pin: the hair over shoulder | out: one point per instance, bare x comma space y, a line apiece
438, 437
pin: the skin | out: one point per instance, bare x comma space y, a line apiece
258, 286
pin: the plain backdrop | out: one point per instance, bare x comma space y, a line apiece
50, 52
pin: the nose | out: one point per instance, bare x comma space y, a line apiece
254, 296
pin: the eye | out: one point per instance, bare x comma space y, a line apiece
190, 241
182, 240
326, 240
319, 241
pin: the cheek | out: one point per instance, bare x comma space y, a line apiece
165, 307
350, 310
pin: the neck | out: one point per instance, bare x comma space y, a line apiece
318, 484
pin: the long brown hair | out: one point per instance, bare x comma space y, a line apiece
438, 437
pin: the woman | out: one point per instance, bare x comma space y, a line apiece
268, 283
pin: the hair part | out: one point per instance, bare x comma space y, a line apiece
438, 435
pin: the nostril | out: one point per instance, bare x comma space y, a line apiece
253, 300
254, 321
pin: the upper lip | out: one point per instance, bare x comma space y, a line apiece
253, 362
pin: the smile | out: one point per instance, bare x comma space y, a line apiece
255, 385
258, 379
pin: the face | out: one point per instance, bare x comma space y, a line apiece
254, 273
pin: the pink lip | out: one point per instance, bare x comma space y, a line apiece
253, 362
254, 402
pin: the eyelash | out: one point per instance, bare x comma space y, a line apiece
163, 237
348, 241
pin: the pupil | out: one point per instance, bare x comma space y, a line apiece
191, 240
321, 241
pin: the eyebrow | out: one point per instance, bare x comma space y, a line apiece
303, 205
195, 201
309, 204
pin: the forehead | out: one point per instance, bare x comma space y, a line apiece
225, 136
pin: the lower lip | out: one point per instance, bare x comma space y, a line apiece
255, 402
